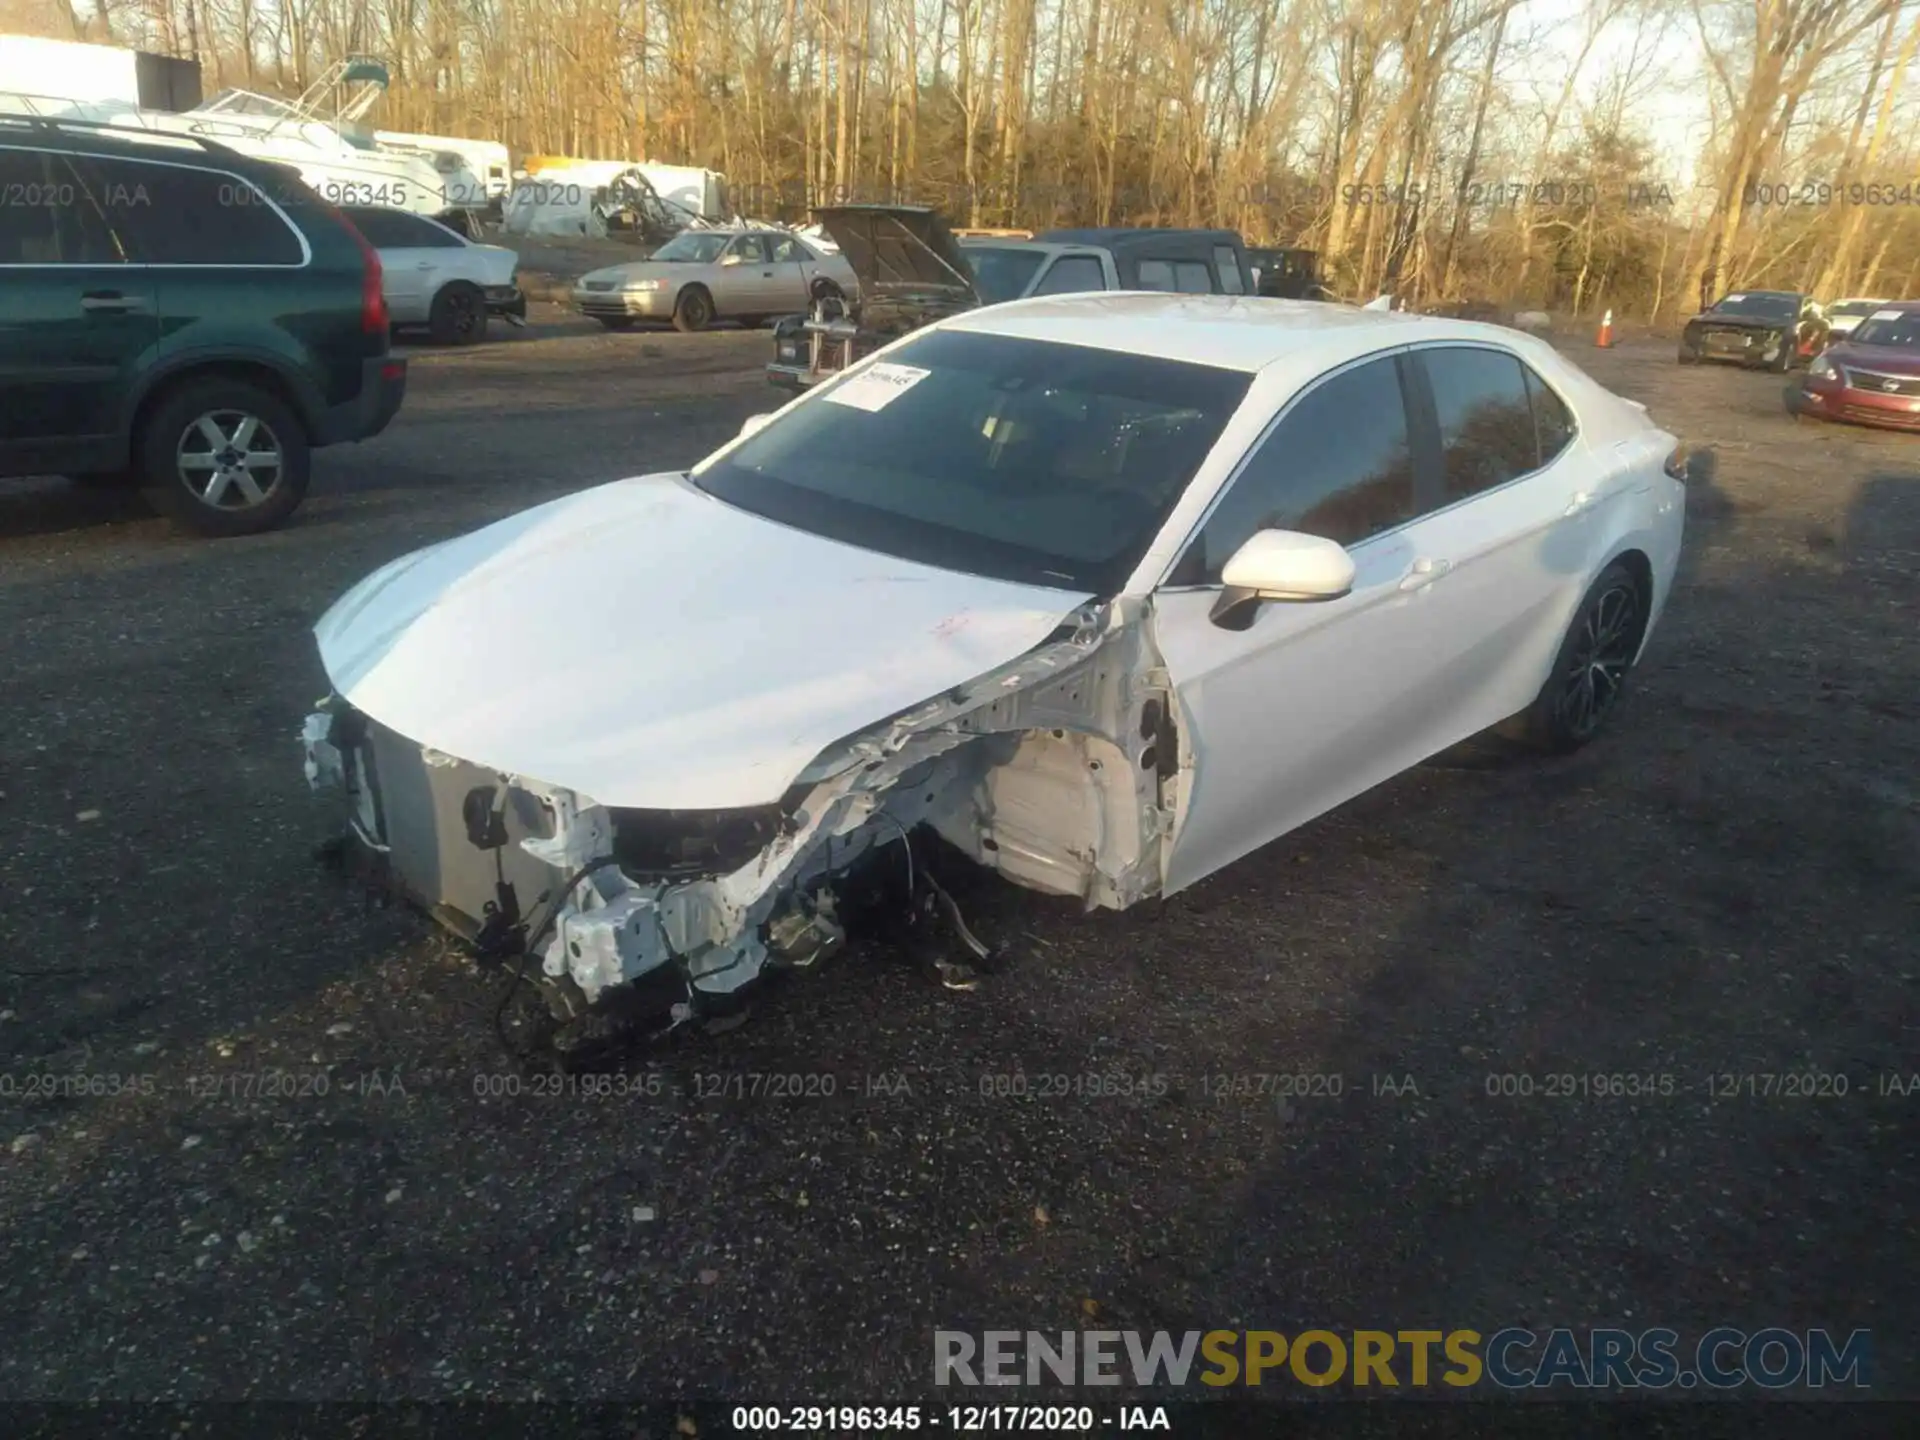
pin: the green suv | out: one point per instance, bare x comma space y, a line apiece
178, 316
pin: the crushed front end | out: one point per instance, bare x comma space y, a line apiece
1045, 770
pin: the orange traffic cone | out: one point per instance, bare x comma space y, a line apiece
1605, 338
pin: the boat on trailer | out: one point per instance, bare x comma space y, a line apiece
320, 134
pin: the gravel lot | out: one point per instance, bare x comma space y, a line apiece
1728, 883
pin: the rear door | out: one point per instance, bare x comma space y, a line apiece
793, 271
79, 321
1508, 503
412, 261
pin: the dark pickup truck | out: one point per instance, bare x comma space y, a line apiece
912, 271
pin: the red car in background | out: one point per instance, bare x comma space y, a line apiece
1872, 377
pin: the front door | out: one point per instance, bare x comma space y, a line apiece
1310, 703
78, 323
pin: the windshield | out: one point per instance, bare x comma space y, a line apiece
1001, 272
701, 247
1771, 307
1018, 459
1899, 329
1850, 308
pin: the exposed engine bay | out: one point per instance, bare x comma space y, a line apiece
1062, 771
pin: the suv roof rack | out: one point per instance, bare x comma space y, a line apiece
131, 132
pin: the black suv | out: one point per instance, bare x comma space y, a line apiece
181, 317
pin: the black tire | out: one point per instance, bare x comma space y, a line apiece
204, 488
1590, 671
458, 315
616, 322
693, 310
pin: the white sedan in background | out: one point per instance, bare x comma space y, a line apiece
1106, 590
435, 277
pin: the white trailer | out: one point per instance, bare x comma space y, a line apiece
476, 172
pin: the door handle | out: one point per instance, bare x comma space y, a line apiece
424, 265
1424, 573
111, 302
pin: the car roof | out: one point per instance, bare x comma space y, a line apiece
53, 132
1113, 237
1770, 294
1905, 307
1231, 332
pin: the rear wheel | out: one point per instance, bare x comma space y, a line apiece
694, 310
1591, 669
223, 457
458, 315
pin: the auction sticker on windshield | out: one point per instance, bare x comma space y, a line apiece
1888, 314
877, 387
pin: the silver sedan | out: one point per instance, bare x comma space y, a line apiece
701, 276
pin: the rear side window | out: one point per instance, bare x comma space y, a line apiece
1072, 275
1192, 277
1154, 275
1552, 421
180, 215
1228, 264
1486, 419
1338, 464
387, 229
47, 217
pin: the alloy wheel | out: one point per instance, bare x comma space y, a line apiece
1602, 651
229, 459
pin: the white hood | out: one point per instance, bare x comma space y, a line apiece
648, 646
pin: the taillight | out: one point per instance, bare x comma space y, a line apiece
373, 299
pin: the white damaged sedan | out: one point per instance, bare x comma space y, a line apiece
1106, 590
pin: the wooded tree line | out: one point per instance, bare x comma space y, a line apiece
1446, 149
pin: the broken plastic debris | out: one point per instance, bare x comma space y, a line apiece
956, 976
247, 1241
642, 1213
393, 1194
88, 815
708, 1277
189, 1142
23, 1143
343, 1028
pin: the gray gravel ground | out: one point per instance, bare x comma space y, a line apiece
1726, 884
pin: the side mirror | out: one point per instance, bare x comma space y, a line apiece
1281, 565
753, 423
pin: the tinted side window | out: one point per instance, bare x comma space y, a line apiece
1337, 465
1552, 421
1192, 277
1228, 264
177, 215
1072, 275
1154, 275
47, 216
1486, 420
383, 229
427, 235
